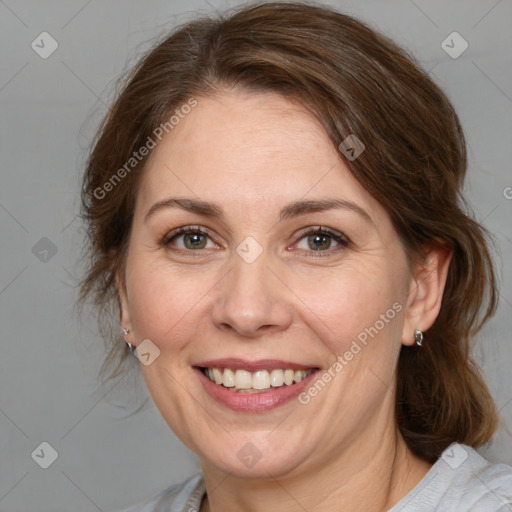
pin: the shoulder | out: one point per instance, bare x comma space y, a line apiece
180, 497
461, 480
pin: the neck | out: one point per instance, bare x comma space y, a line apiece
368, 476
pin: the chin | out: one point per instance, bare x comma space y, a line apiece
256, 456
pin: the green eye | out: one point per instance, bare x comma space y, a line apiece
194, 241
321, 240
317, 240
191, 239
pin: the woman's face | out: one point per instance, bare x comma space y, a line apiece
295, 267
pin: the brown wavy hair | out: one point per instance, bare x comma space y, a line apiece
354, 81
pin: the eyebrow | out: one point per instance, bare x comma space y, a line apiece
295, 209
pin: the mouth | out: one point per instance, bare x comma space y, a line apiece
253, 386
259, 381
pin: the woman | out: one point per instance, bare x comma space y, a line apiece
275, 214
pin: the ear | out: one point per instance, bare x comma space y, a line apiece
124, 315
426, 292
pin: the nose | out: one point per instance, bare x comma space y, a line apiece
252, 300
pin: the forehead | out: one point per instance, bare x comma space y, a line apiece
248, 150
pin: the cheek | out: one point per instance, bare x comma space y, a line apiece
164, 303
341, 304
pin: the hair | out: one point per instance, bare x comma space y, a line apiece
355, 81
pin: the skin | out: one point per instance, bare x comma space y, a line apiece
252, 154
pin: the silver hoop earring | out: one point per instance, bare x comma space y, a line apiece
125, 331
131, 348
418, 337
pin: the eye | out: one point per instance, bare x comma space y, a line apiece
189, 238
322, 240
316, 240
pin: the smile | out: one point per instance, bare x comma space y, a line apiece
253, 386
260, 381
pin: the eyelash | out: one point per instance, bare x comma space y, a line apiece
183, 231
343, 241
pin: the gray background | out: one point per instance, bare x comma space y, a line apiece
50, 108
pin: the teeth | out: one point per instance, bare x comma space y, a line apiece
276, 378
254, 382
243, 379
288, 377
228, 378
261, 380
217, 376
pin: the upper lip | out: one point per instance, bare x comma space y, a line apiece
251, 366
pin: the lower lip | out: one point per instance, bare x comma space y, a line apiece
253, 402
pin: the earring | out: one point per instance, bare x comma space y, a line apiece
418, 337
130, 346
